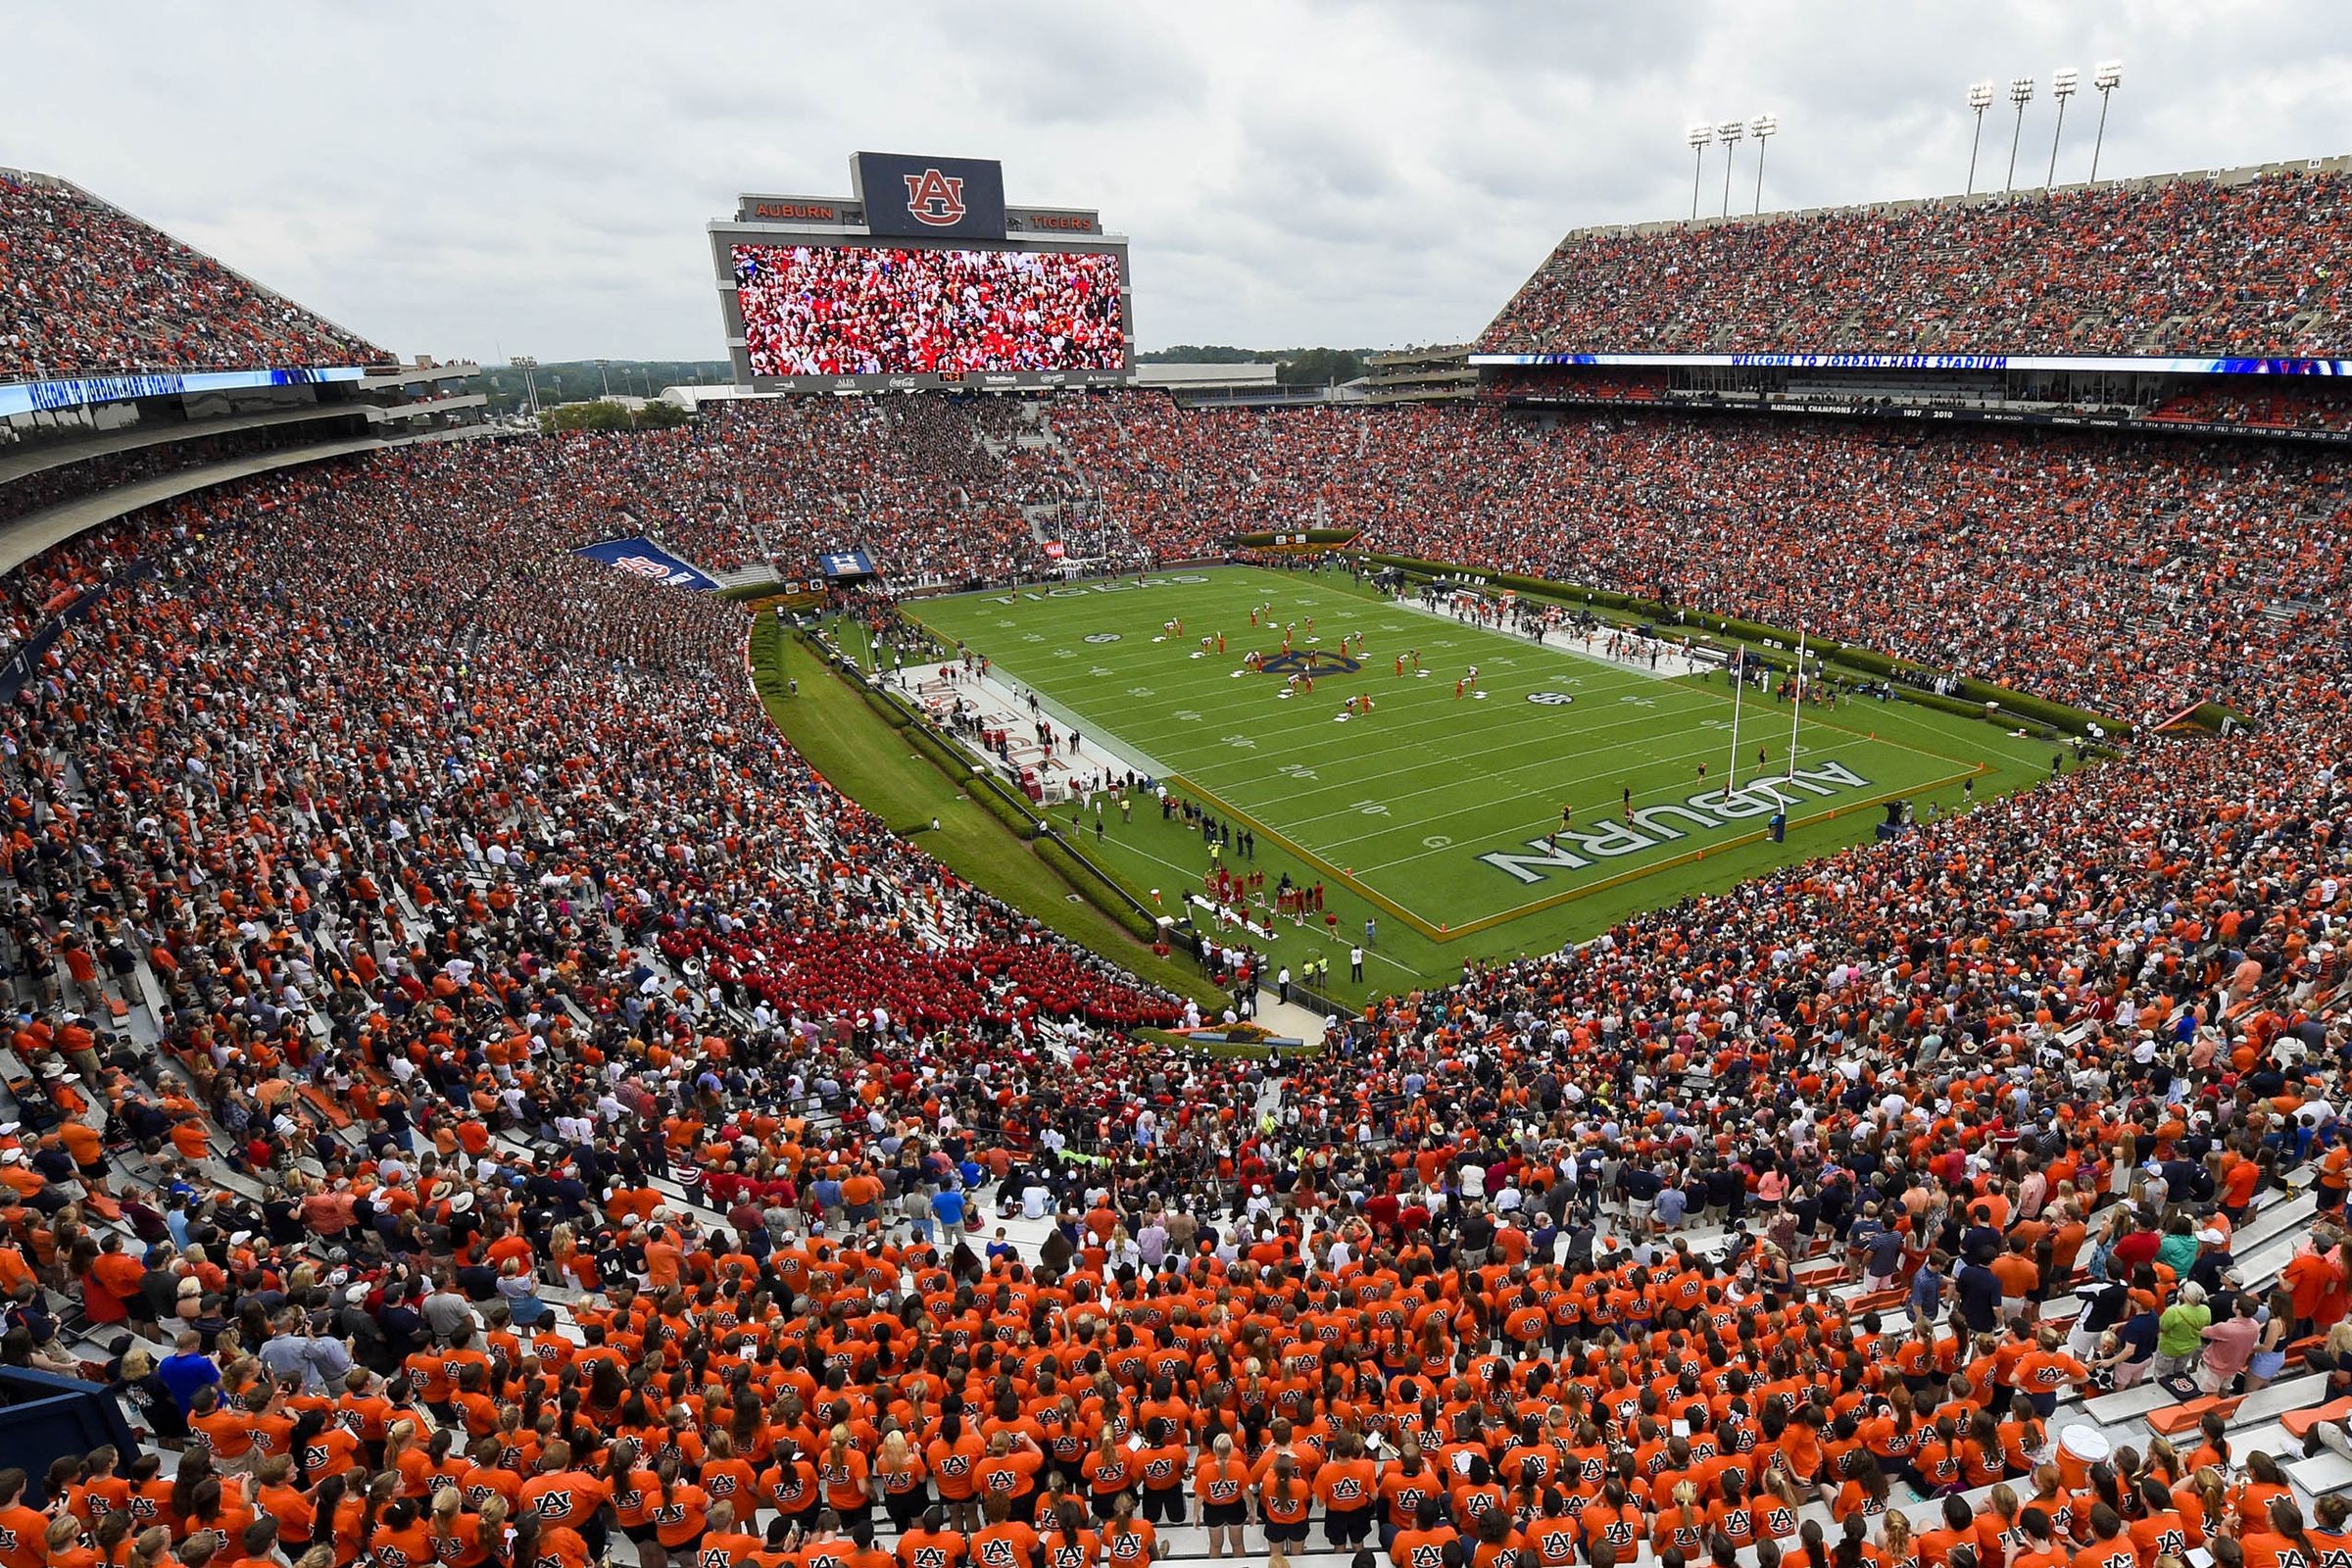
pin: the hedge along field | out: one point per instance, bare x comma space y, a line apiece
1434, 816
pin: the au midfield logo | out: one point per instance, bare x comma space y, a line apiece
934, 198
1310, 661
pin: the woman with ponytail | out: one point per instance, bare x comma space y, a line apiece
455, 1541
2276, 1538
1284, 1501
680, 1513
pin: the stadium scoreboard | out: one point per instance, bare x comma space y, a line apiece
921, 278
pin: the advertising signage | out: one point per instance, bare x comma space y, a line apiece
28, 397
2110, 365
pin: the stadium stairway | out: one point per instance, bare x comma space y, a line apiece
1290, 1017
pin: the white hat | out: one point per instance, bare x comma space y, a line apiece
463, 1203
2211, 1237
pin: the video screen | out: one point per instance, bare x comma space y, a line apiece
871, 309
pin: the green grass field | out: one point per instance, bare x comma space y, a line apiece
1433, 815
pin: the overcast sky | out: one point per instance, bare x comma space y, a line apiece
492, 178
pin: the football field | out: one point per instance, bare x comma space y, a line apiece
1443, 812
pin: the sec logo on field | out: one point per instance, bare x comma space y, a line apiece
1550, 699
1102, 636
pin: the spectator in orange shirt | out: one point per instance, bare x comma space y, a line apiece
1424, 1545
24, 1532
664, 1259
1284, 1499
1003, 1542
1219, 1482
2020, 1281
2037, 1544
931, 1545
2045, 1371
860, 1195
112, 1282
727, 1544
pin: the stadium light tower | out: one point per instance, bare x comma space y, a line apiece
1729, 134
605, 378
2062, 87
1699, 136
1762, 127
1980, 98
2106, 75
526, 363
2021, 93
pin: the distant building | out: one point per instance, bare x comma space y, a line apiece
1182, 377
691, 397
1439, 373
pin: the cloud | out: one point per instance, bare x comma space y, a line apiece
534, 176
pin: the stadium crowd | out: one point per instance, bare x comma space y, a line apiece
86, 289
2226, 401
88, 476
482, 1100
467, 920
783, 482
2184, 264
814, 310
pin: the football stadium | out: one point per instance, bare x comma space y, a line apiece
1704, 927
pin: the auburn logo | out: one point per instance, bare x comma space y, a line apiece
933, 198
